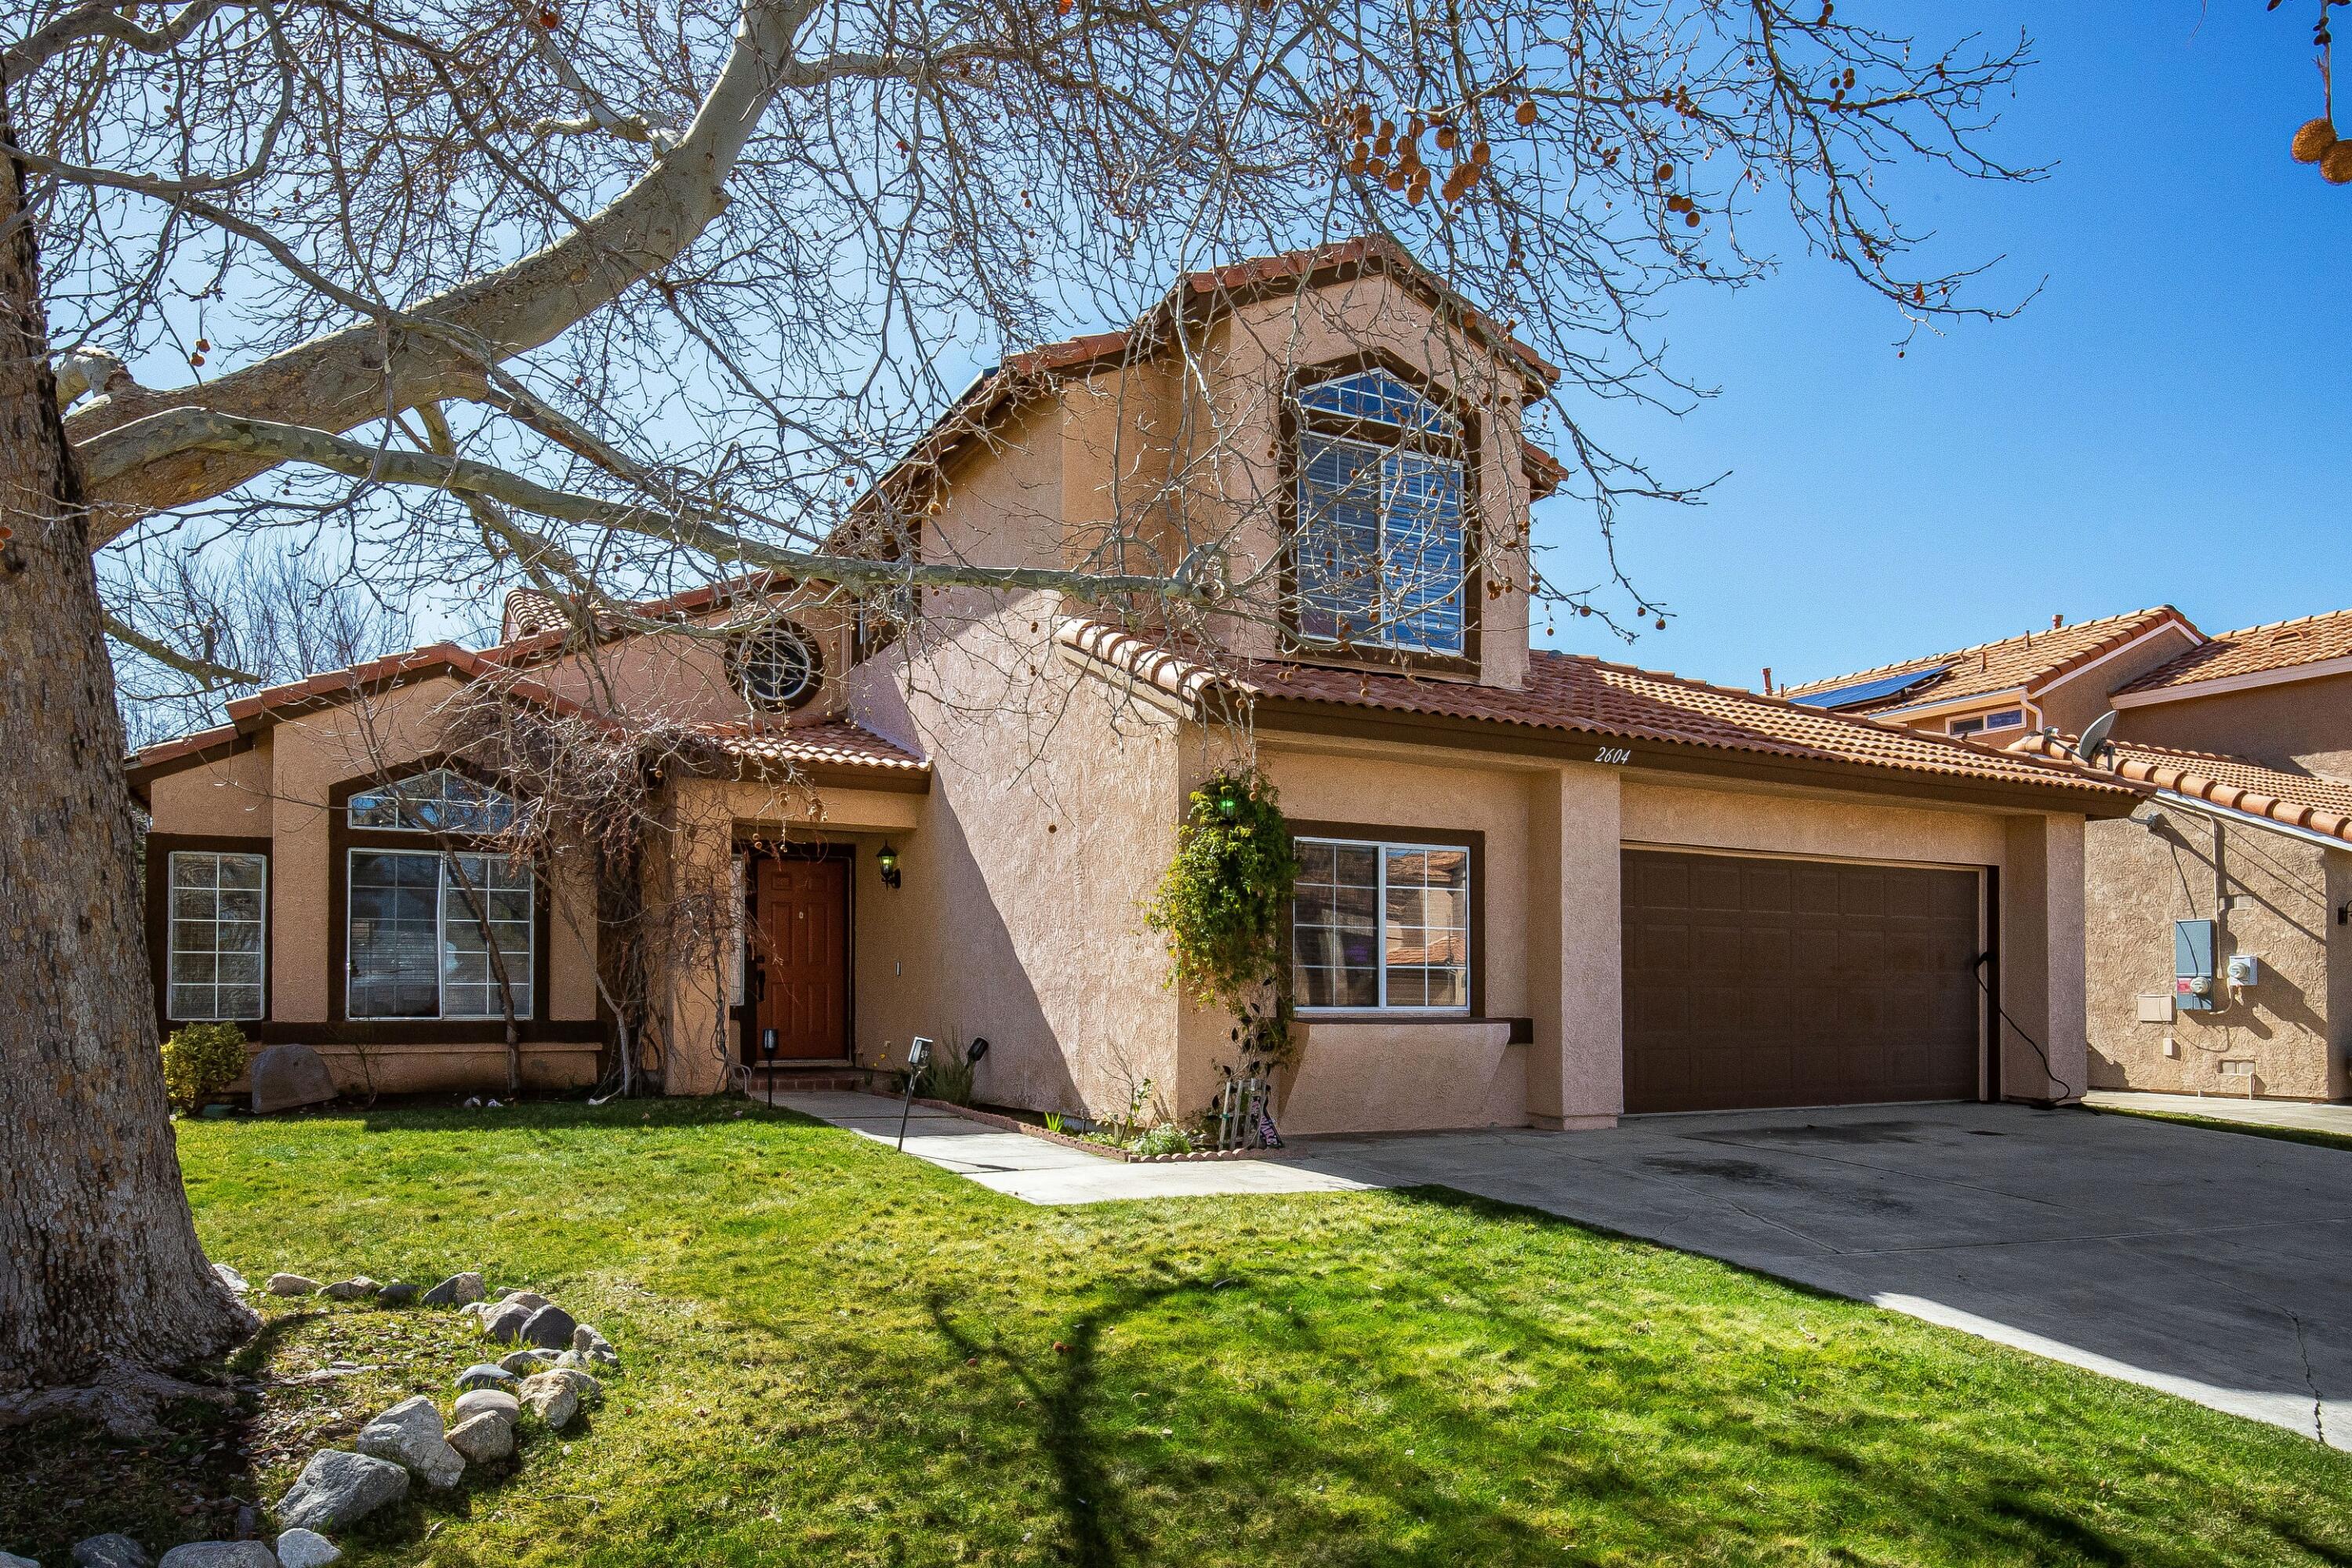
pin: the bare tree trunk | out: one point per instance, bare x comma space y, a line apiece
101, 1278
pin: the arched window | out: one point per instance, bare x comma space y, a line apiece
439, 801
774, 667
1378, 551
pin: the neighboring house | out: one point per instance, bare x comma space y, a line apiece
2246, 738
1540, 890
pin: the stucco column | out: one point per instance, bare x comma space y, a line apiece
1576, 1069
689, 883
2041, 960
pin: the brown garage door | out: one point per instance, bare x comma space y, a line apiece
1753, 981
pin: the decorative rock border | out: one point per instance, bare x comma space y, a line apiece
1100, 1151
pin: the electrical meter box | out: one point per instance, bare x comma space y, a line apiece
2245, 969
2193, 966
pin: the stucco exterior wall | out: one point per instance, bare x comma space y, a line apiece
229, 797
2271, 896
2073, 700
2300, 723
1051, 817
1698, 817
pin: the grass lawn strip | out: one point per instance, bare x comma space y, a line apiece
2312, 1135
837, 1355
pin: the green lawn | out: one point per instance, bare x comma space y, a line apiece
2315, 1136
835, 1355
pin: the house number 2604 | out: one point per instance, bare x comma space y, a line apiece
1614, 754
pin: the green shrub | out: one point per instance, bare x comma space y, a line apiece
1224, 903
948, 1074
1165, 1138
199, 1060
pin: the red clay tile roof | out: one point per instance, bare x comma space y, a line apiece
2256, 650
2026, 664
2296, 800
836, 743
529, 613
1577, 693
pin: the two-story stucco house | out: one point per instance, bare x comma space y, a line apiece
2244, 851
1540, 890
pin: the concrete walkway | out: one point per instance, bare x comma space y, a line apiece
2302, 1115
2217, 1268
1038, 1171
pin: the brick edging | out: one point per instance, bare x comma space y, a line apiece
1100, 1151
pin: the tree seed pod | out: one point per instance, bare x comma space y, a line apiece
1396, 180
2336, 164
1380, 144
1526, 113
1448, 138
2312, 139
1480, 152
1376, 168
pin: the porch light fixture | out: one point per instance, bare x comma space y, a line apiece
887, 860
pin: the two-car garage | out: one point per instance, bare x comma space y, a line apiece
1754, 981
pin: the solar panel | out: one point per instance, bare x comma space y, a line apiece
1863, 691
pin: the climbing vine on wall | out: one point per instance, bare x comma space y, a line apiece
1224, 905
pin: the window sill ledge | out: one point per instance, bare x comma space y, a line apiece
1523, 1030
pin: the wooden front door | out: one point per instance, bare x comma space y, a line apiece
799, 964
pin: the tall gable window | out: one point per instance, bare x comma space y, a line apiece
440, 801
1378, 551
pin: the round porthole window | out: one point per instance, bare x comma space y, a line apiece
775, 667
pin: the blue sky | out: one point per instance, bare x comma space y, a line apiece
2168, 421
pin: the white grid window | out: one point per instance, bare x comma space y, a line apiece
214, 966
1381, 926
418, 947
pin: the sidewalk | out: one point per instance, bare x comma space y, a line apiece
2301, 1115
1038, 1171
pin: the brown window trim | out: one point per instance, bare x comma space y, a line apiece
159, 849
1469, 838
1469, 448
341, 1029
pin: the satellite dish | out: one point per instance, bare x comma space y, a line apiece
2095, 738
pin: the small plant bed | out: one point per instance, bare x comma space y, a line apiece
1104, 1144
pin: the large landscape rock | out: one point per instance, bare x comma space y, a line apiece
351, 1290
483, 1437
337, 1488
306, 1549
482, 1374
399, 1293
110, 1550
496, 1400
551, 1396
231, 1280
522, 1297
292, 1285
285, 1077
220, 1554
550, 1329
504, 1323
410, 1435
454, 1291
523, 1362
10, 1560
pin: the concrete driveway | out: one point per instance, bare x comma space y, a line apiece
2217, 1265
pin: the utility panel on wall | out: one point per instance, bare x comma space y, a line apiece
2193, 966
